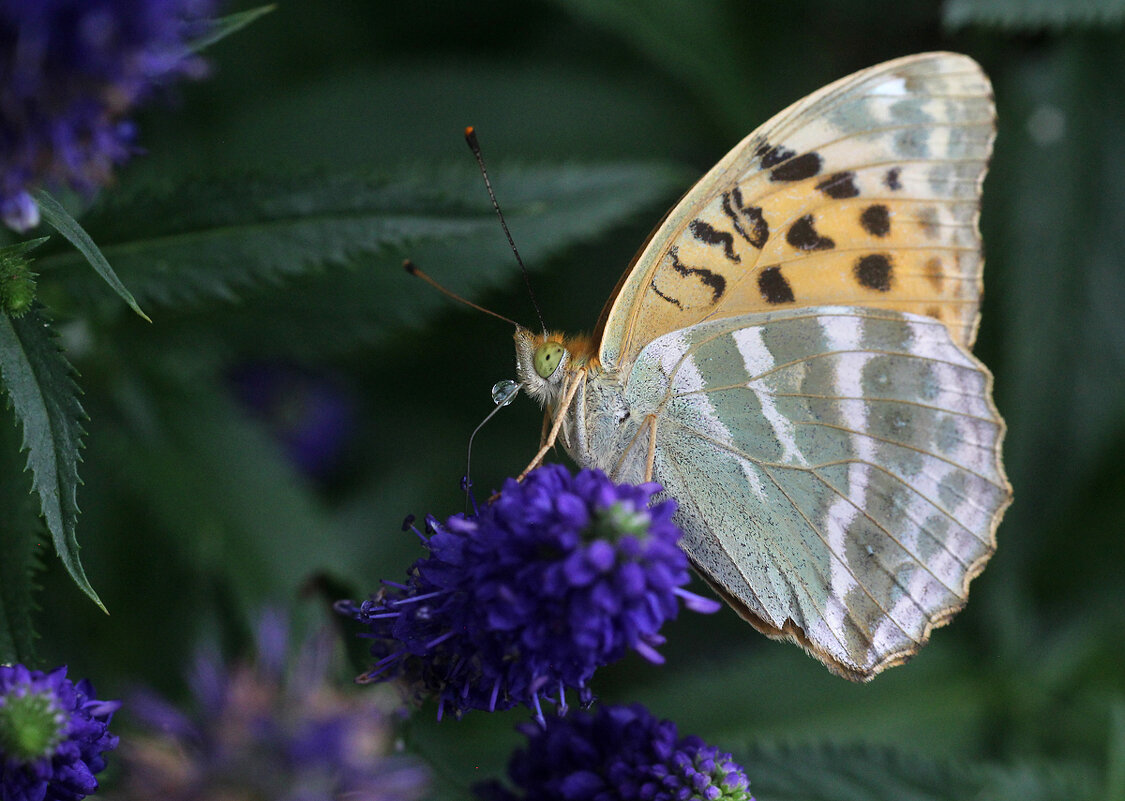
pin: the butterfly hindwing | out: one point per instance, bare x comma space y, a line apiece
837, 471
866, 192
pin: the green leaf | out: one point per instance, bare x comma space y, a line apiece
20, 530
225, 26
862, 773
823, 708
820, 773
1033, 15
219, 239
40, 386
59, 218
20, 248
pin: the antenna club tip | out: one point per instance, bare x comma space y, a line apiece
471, 138
409, 266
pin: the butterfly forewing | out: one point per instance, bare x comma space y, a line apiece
837, 471
866, 192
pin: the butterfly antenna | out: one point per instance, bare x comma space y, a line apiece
474, 145
414, 270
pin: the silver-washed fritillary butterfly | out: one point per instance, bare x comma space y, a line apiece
789, 356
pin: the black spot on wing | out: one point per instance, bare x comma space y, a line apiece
798, 169
803, 236
712, 280
774, 287
771, 156
728, 210
839, 186
668, 298
709, 235
890, 180
759, 231
759, 228
874, 271
876, 220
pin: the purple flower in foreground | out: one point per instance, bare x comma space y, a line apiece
527, 598
617, 753
71, 73
272, 729
52, 735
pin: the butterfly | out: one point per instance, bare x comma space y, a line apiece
788, 355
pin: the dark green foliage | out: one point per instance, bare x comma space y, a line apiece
1034, 15
835, 773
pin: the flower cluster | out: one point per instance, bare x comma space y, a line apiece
274, 729
71, 72
618, 753
526, 598
53, 734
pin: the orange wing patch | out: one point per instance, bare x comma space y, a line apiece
865, 193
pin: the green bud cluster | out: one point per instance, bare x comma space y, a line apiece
17, 281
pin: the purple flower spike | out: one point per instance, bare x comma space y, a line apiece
52, 735
618, 753
72, 71
527, 598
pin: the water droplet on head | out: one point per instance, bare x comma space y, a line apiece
504, 392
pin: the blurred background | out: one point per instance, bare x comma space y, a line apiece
275, 426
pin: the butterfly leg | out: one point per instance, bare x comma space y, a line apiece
544, 430
571, 388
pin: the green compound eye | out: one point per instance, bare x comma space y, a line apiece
547, 358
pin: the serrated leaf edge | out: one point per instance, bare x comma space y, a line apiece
48, 487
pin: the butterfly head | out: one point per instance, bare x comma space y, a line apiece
543, 361
541, 364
